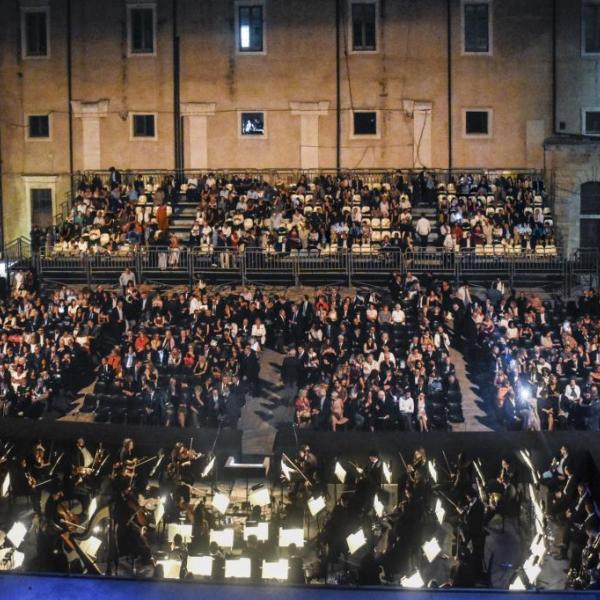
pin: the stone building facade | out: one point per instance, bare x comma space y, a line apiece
299, 84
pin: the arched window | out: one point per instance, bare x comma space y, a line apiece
590, 215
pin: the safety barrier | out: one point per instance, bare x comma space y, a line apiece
337, 266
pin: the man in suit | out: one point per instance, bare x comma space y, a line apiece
114, 178
290, 373
250, 370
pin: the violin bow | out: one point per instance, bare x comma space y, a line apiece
296, 467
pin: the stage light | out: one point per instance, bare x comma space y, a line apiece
239, 568
223, 537
431, 549
414, 581
5, 486
259, 496
220, 502
200, 566
92, 508
527, 460
287, 471
316, 505
291, 536
432, 471
356, 541
276, 570
17, 534
183, 529
171, 568
538, 546
17, 559
377, 506
517, 585
90, 546
387, 472
479, 473
532, 568
209, 467
440, 511
340, 472
260, 530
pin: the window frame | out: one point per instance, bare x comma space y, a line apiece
138, 138
131, 6
350, 28
463, 49
30, 138
243, 136
42, 8
584, 52
366, 136
237, 38
584, 111
478, 136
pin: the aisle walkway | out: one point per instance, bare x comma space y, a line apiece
473, 401
261, 416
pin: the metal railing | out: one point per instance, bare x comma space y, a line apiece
289, 176
184, 265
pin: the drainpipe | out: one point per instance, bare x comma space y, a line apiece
70, 95
178, 147
338, 97
449, 74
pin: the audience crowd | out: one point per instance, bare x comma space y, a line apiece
508, 215
546, 359
373, 362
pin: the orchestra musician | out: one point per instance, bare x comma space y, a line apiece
555, 476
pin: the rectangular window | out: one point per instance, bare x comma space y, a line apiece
250, 28
38, 127
35, 31
591, 28
143, 126
476, 19
365, 123
252, 124
591, 122
364, 28
142, 30
478, 123
41, 207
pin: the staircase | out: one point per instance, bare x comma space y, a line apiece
182, 219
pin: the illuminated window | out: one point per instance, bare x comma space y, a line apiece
250, 28
252, 124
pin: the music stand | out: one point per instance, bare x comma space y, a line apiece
223, 537
183, 529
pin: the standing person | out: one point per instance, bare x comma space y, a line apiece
125, 278
290, 373
423, 229
250, 370
114, 178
